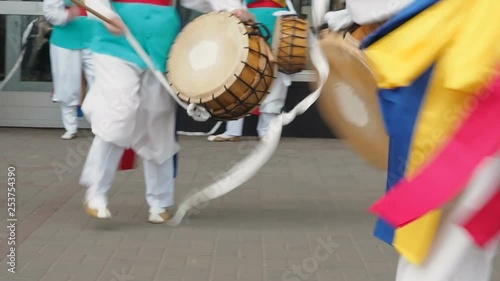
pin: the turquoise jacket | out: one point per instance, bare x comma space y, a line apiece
155, 28
74, 35
265, 16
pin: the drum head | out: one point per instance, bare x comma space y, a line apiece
207, 55
348, 102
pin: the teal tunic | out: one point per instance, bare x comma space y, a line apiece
75, 35
265, 16
155, 28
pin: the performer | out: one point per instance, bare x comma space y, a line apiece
274, 102
69, 54
128, 107
424, 93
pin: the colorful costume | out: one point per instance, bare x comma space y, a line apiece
129, 108
273, 104
69, 54
425, 96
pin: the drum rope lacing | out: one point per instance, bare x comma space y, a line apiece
235, 112
250, 165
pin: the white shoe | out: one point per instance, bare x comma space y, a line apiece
158, 216
96, 207
223, 138
68, 135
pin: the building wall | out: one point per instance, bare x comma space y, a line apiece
25, 101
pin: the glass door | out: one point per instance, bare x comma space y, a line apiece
2, 49
29, 70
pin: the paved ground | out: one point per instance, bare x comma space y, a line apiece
303, 217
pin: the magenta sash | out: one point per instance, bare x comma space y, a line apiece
484, 226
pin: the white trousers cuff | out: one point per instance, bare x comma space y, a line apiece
264, 121
69, 116
235, 127
100, 169
159, 184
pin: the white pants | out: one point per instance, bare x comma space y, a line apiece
275, 101
270, 107
67, 66
454, 256
371, 11
235, 127
128, 107
101, 166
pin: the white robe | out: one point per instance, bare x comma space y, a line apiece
128, 107
372, 11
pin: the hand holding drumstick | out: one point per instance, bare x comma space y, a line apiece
244, 15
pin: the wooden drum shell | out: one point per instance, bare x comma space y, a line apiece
291, 44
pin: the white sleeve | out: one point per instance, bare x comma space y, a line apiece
55, 12
226, 5
103, 7
338, 20
205, 6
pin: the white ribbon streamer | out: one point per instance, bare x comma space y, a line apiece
338, 20
290, 7
24, 39
318, 10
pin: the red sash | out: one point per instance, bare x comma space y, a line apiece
152, 2
264, 4
128, 160
83, 12
484, 226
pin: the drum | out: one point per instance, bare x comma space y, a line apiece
223, 64
361, 32
290, 43
348, 103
